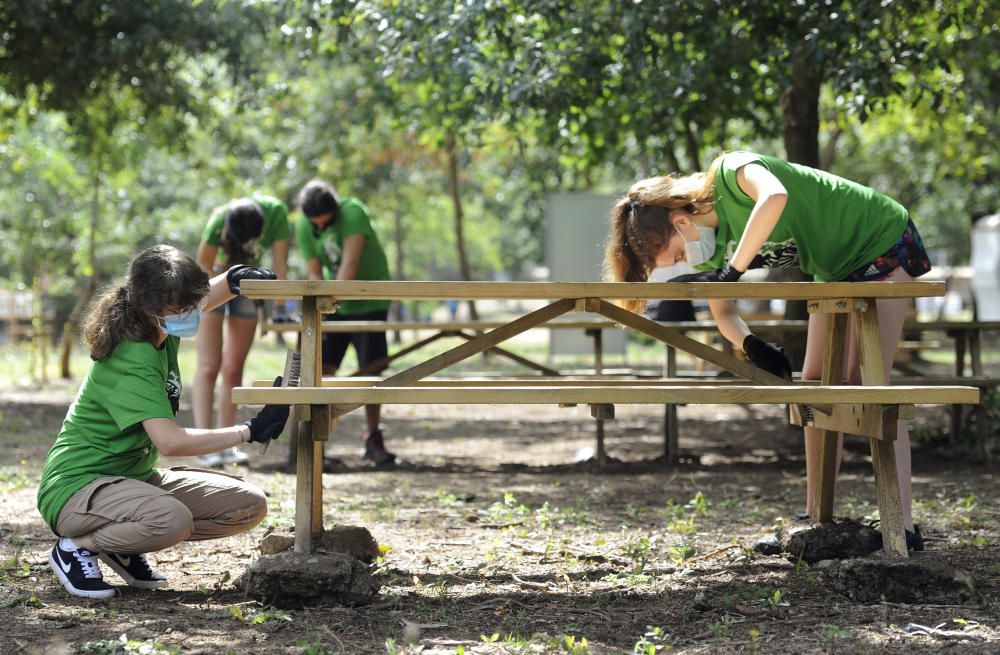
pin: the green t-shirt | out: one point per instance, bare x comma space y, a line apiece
328, 245
102, 435
830, 226
275, 228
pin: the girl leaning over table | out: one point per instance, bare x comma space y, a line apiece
751, 211
100, 491
236, 233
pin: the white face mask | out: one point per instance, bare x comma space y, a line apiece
702, 249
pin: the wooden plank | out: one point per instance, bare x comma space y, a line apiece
381, 364
835, 306
303, 488
628, 395
598, 381
862, 420
694, 347
514, 357
883, 451
470, 348
829, 439
414, 290
756, 326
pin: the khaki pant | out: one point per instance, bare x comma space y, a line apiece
121, 515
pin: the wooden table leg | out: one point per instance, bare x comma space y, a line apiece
833, 373
873, 372
602, 412
958, 411
670, 427
309, 466
303, 488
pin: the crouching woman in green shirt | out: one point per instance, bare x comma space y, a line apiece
101, 492
752, 211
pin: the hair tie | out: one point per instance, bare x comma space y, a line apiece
634, 207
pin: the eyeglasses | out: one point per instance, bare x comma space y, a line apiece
180, 316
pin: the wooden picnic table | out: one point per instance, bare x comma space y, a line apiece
869, 410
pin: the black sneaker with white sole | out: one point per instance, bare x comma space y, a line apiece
135, 570
78, 571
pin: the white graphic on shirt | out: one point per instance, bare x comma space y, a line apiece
773, 254
332, 250
173, 390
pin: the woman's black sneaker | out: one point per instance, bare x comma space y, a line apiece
375, 449
135, 570
78, 571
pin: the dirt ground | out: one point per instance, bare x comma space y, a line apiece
499, 538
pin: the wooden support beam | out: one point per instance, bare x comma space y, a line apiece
835, 306
381, 364
514, 357
468, 349
863, 420
635, 394
698, 349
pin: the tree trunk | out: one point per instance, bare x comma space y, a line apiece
691, 138
396, 309
456, 200
72, 326
800, 113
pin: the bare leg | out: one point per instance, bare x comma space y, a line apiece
209, 350
239, 338
812, 369
891, 313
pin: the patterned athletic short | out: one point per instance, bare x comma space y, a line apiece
908, 252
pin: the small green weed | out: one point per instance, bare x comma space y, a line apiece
257, 615
652, 642
125, 646
681, 553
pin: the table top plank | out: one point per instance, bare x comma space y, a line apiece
447, 290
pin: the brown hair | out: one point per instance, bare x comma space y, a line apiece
243, 221
640, 223
158, 278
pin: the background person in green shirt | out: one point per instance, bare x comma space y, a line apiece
237, 233
100, 491
751, 210
337, 238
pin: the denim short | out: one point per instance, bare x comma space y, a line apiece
908, 253
238, 307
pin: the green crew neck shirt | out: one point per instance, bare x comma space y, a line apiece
102, 435
327, 245
276, 226
830, 226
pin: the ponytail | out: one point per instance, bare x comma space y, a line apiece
640, 223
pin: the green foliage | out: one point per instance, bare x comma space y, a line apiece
125, 646
136, 45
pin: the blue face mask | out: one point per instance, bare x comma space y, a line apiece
701, 250
181, 325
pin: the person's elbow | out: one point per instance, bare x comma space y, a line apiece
166, 435
778, 198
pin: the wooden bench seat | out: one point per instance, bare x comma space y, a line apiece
553, 392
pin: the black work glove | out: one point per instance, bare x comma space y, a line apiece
767, 357
726, 274
270, 420
241, 272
